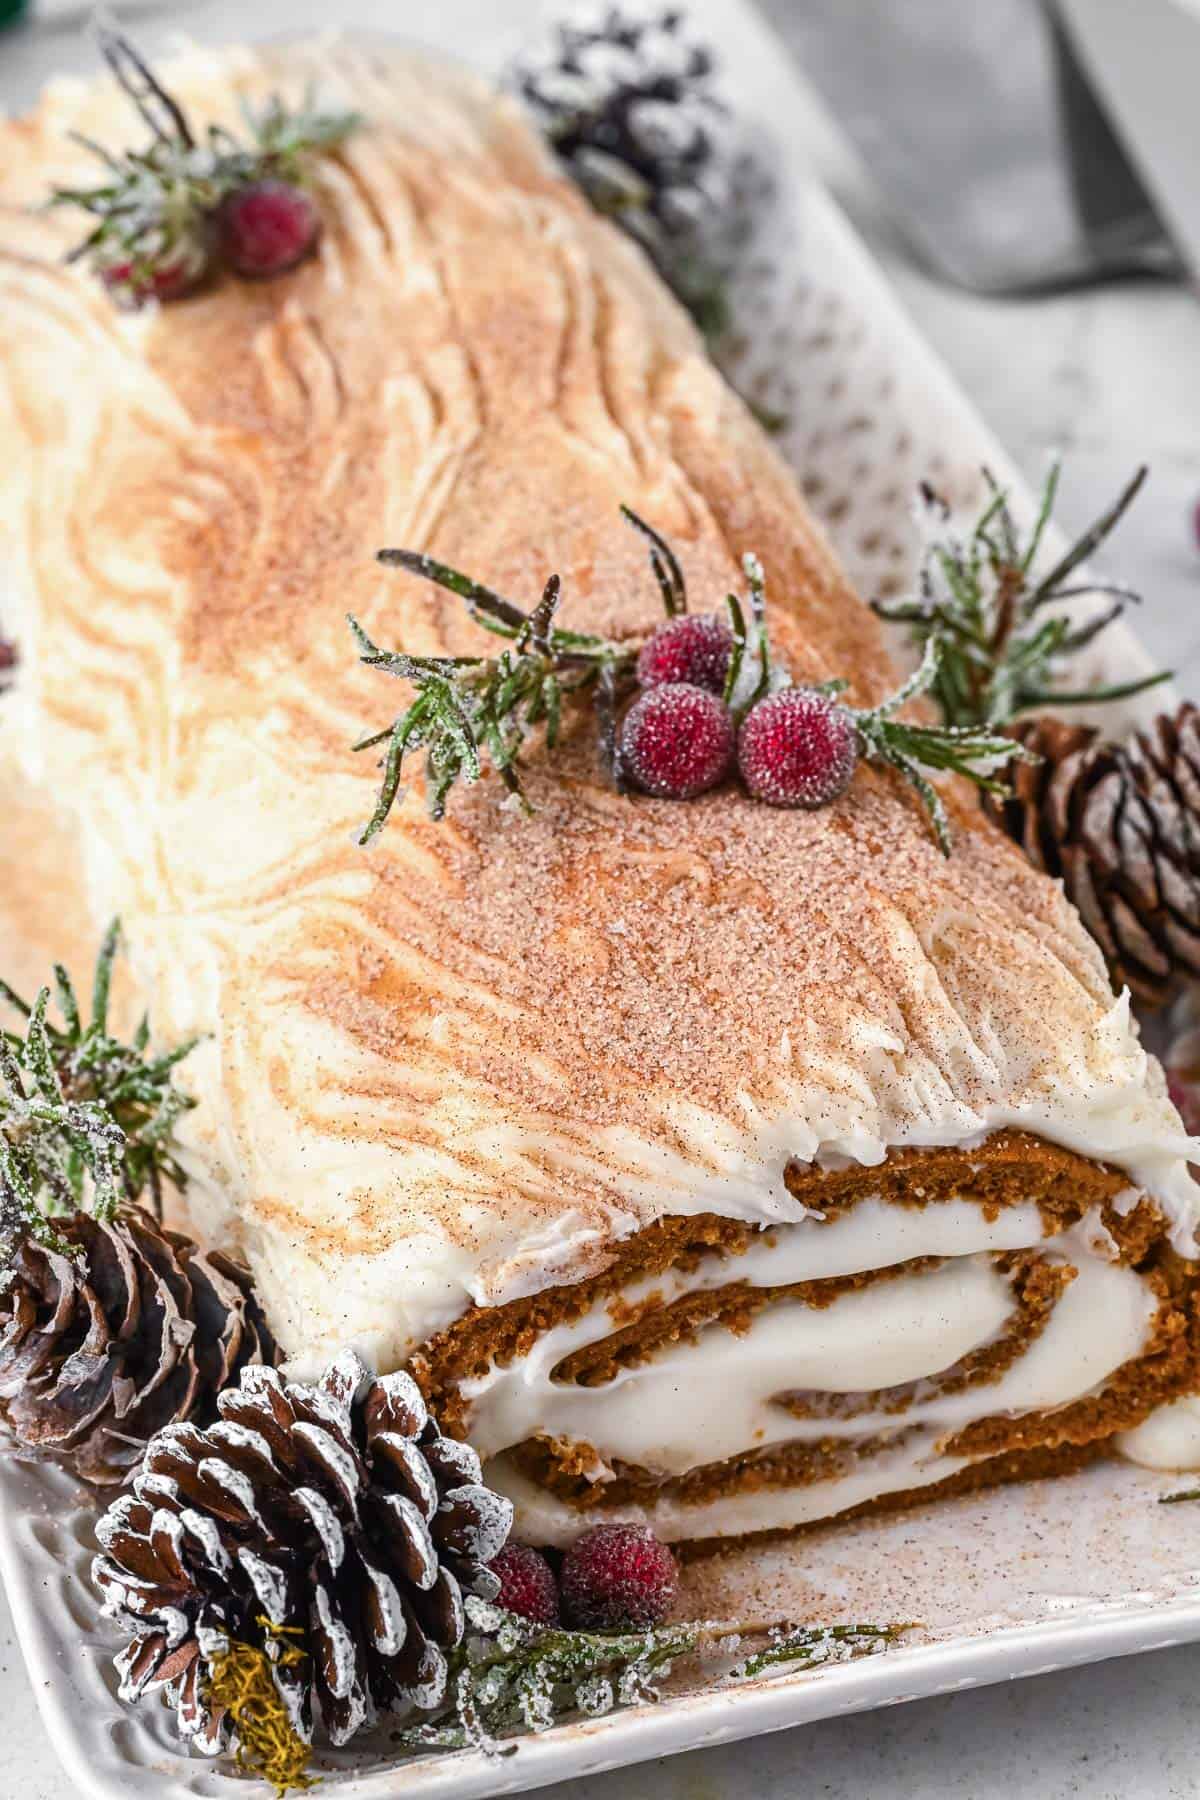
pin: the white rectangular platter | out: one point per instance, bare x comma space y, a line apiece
1017, 1581
1009, 1583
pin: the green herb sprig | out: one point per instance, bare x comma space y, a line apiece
469, 708
79, 1107
153, 211
981, 601
510, 1676
975, 751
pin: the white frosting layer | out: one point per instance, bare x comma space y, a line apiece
660, 1415
872, 1235
914, 1463
1168, 1439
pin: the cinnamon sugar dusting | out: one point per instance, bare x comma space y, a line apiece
467, 1063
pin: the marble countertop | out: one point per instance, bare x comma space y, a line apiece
1111, 377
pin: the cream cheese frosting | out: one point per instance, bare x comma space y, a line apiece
461, 1066
1168, 1439
659, 1414
906, 1330
913, 1462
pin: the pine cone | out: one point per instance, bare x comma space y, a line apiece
630, 106
334, 1519
98, 1354
1120, 823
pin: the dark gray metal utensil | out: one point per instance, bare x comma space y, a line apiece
985, 137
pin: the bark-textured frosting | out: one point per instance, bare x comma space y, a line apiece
459, 1063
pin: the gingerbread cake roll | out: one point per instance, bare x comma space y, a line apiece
714, 1165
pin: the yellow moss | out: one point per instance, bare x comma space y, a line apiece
240, 1683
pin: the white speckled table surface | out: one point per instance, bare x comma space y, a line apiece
1112, 377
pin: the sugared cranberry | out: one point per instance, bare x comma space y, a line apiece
676, 741
527, 1584
267, 227
694, 649
618, 1575
798, 748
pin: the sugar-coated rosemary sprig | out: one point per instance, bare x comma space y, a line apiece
711, 695
469, 708
805, 1646
975, 751
750, 676
510, 1676
80, 1107
154, 212
982, 600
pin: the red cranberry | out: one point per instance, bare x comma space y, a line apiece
798, 748
1184, 1090
527, 1584
694, 649
676, 741
267, 227
618, 1575
169, 281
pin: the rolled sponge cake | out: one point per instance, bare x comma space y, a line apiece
491, 1068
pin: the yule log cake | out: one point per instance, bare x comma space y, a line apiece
710, 1164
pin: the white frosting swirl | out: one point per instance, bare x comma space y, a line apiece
662, 1414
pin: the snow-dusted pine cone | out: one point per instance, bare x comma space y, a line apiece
138, 1329
630, 104
334, 1520
1120, 824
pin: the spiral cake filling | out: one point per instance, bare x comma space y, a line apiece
842, 1360
661, 1415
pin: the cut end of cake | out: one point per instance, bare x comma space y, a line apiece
948, 1320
